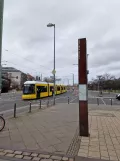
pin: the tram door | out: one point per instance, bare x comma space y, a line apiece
38, 92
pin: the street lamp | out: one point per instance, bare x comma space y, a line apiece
1, 29
53, 25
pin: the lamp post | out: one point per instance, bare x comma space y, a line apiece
53, 25
1, 29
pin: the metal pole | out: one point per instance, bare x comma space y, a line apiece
98, 101
48, 102
54, 65
68, 100
73, 80
40, 103
30, 108
98, 87
15, 110
1, 29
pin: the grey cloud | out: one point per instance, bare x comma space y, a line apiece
25, 33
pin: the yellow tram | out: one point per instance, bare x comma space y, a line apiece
37, 90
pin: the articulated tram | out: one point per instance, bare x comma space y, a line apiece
37, 90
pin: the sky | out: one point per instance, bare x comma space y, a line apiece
28, 43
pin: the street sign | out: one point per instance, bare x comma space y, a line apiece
53, 72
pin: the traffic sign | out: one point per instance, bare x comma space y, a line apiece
53, 72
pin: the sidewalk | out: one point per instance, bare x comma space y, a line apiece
53, 134
50, 130
104, 140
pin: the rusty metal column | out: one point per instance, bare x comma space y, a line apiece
83, 93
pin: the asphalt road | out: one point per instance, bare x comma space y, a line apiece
7, 101
105, 99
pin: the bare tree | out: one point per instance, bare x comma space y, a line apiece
48, 80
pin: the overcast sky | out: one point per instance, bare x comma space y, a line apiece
28, 43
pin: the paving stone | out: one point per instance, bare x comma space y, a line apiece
117, 147
94, 149
64, 158
102, 144
19, 156
84, 144
82, 154
110, 147
26, 154
1, 150
112, 153
56, 157
27, 157
104, 158
34, 154
46, 160
103, 148
10, 155
94, 154
113, 158
36, 159
18, 152
84, 147
83, 151
2, 153
71, 159
9, 151
104, 154
44, 156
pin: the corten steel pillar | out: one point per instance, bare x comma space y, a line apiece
83, 94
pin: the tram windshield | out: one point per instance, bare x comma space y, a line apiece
29, 89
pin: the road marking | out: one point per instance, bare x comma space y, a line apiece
103, 101
20, 108
73, 99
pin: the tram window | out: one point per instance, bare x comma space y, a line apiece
29, 89
62, 88
43, 88
58, 88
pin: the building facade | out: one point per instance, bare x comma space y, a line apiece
16, 76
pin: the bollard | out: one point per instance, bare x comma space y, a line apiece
30, 108
48, 103
111, 101
15, 110
68, 100
40, 104
98, 101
